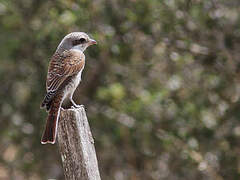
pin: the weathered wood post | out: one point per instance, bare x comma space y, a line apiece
76, 146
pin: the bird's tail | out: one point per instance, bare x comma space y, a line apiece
50, 132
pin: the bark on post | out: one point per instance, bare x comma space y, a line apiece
76, 146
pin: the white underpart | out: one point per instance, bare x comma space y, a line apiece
80, 47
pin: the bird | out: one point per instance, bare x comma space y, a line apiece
64, 75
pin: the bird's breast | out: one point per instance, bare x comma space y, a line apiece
73, 83
78, 77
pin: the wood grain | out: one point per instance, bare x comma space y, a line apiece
76, 146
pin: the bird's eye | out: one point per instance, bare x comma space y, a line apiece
82, 40
78, 41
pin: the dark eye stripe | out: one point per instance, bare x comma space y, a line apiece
82, 40
78, 41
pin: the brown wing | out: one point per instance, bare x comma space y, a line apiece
62, 66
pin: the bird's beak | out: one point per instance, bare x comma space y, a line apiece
92, 42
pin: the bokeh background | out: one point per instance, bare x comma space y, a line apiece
161, 88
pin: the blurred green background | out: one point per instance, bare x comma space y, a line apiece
161, 88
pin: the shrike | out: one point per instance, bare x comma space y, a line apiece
64, 74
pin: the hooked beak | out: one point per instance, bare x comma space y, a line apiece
92, 42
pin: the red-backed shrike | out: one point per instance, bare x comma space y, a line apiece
64, 74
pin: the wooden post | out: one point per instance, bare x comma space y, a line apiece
76, 146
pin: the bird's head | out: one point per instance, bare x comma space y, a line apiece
76, 40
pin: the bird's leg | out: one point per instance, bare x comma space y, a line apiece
74, 104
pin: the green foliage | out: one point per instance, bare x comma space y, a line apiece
160, 88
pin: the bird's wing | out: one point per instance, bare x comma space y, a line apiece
63, 66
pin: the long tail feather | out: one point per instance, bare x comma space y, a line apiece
50, 132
